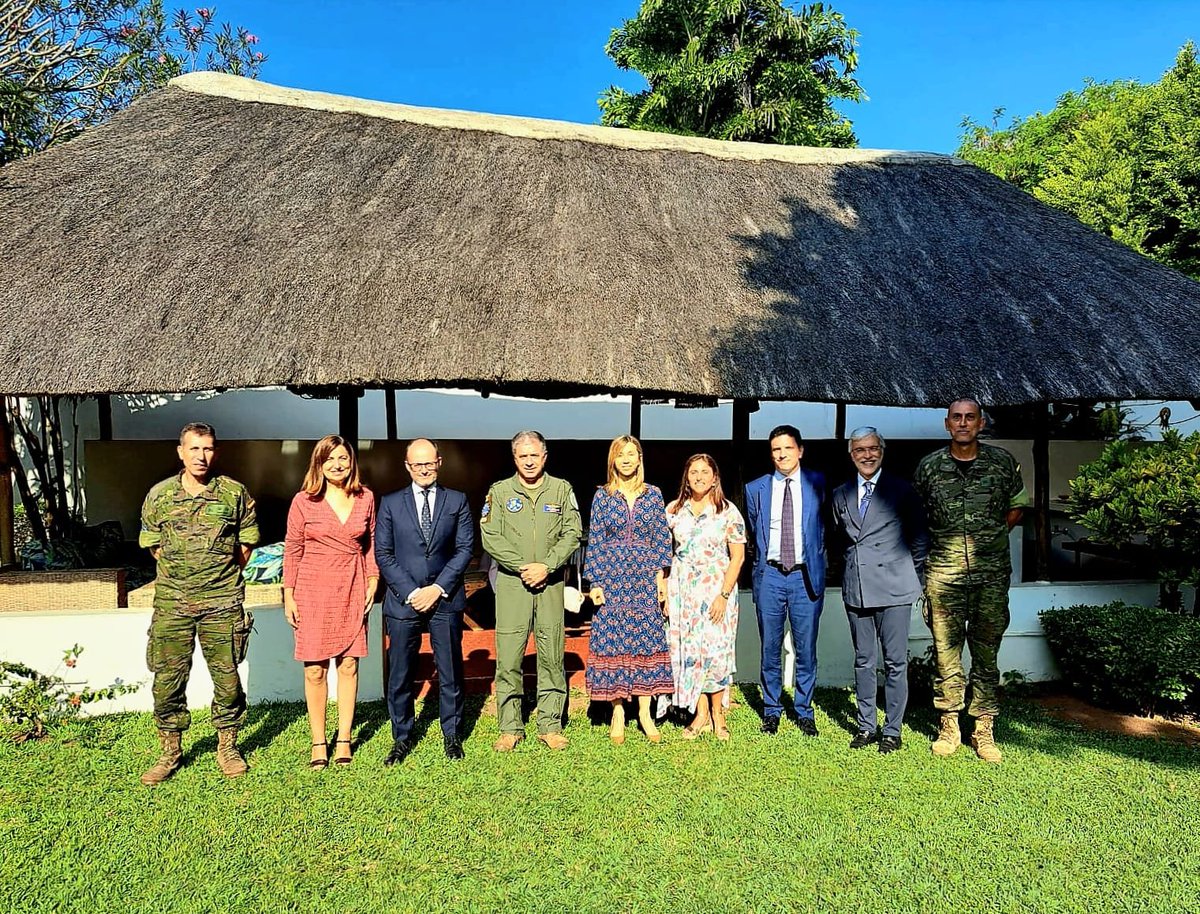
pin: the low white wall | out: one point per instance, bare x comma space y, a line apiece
1024, 647
114, 647
114, 643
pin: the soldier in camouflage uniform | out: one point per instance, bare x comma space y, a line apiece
530, 526
200, 529
974, 495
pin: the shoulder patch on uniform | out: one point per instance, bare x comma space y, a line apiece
487, 508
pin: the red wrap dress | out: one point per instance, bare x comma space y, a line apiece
328, 563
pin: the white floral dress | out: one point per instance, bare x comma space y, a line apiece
702, 651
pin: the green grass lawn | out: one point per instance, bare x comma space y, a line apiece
1072, 821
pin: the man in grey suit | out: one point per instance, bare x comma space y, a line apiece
887, 539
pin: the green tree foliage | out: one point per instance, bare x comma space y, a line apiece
67, 66
753, 70
1121, 157
1146, 495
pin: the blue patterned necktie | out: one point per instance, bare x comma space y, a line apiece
787, 529
426, 516
866, 498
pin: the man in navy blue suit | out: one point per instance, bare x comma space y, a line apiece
424, 538
784, 509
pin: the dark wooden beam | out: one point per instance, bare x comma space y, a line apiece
104, 411
348, 413
1041, 491
389, 405
8, 553
839, 422
635, 415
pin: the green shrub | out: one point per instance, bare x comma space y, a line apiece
1136, 658
33, 703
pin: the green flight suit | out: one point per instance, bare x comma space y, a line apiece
519, 526
968, 569
198, 595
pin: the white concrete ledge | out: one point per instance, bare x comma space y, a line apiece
114, 642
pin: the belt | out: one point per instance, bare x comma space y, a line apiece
785, 571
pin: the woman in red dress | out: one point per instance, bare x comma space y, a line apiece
329, 580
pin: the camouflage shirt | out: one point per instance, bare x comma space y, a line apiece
967, 505
198, 540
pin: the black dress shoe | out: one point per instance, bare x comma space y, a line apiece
864, 738
807, 726
889, 744
770, 725
454, 749
398, 754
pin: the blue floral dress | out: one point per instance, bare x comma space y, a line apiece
626, 548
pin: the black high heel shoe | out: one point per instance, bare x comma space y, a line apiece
319, 763
349, 758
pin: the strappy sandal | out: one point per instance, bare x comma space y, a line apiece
319, 763
721, 732
344, 760
691, 733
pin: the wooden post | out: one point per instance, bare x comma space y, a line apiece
104, 409
348, 413
8, 553
635, 416
839, 422
1041, 490
389, 402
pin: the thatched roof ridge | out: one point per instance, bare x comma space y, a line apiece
249, 90
223, 233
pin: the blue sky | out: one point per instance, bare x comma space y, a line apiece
924, 65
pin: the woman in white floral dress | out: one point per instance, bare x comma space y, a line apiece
710, 546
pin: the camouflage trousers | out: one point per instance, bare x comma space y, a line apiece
976, 613
224, 635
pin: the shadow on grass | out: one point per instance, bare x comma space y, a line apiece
1024, 724
753, 696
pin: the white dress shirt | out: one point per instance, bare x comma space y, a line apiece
419, 498
862, 488
773, 536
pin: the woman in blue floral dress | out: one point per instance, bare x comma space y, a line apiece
628, 548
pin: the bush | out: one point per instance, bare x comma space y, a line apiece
1135, 658
33, 703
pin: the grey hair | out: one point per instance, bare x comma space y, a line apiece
966, 399
528, 435
865, 431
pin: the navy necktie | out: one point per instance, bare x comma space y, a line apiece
787, 529
426, 516
866, 498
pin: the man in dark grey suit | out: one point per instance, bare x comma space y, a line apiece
883, 521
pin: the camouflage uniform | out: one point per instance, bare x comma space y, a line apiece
198, 593
519, 526
968, 569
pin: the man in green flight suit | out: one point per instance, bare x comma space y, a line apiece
200, 529
974, 496
530, 525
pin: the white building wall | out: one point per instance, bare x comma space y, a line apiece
114, 643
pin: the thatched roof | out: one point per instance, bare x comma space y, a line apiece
226, 233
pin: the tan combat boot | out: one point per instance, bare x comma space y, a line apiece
948, 738
229, 760
984, 741
168, 763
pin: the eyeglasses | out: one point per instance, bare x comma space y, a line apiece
422, 466
863, 451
